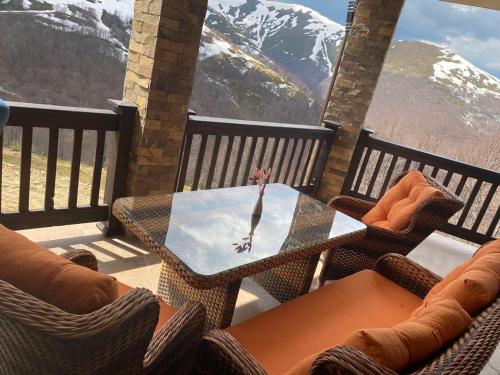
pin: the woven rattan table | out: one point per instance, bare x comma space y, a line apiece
210, 240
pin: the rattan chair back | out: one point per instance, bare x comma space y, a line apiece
429, 216
38, 338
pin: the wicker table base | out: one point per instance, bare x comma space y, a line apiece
219, 302
290, 280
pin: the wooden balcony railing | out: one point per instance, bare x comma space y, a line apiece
219, 153
375, 162
115, 126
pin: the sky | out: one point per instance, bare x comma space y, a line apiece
473, 33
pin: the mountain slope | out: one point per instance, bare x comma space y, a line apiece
107, 19
247, 85
299, 39
469, 94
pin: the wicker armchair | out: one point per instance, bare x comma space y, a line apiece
38, 338
432, 214
220, 353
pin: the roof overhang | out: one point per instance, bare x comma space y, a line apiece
491, 4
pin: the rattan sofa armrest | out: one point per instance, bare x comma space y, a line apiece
81, 257
346, 360
406, 273
475, 348
353, 207
178, 339
220, 353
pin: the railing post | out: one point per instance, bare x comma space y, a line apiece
356, 159
183, 157
120, 144
324, 153
359, 68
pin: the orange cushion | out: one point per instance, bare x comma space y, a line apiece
474, 290
280, 338
475, 283
381, 344
451, 276
166, 311
488, 263
397, 207
492, 247
50, 278
415, 339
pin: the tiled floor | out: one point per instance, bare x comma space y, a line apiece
129, 262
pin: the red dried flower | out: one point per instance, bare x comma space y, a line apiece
261, 177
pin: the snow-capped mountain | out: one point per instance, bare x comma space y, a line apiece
109, 19
247, 83
298, 38
471, 95
214, 46
465, 79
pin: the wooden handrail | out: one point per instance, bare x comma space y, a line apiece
227, 149
430, 158
224, 126
117, 125
51, 116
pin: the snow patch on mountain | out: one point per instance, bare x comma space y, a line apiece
263, 6
122, 8
260, 20
213, 45
83, 16
466, 79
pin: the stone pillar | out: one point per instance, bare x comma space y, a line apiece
359, 69
161, 64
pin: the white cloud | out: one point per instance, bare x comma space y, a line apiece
464, 8
484, 53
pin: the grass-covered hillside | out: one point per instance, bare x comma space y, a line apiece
10, 181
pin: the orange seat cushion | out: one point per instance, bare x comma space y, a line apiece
51, 278
395, 210
415, 339
280, 338
166, 311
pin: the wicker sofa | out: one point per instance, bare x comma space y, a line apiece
39, 338
429, 216
222, 353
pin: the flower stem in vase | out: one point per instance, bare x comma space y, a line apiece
256, 214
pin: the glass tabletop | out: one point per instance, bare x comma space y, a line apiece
213, 231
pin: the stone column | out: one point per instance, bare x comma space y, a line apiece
359, 69
162, 59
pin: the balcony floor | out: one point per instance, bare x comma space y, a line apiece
127, 260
